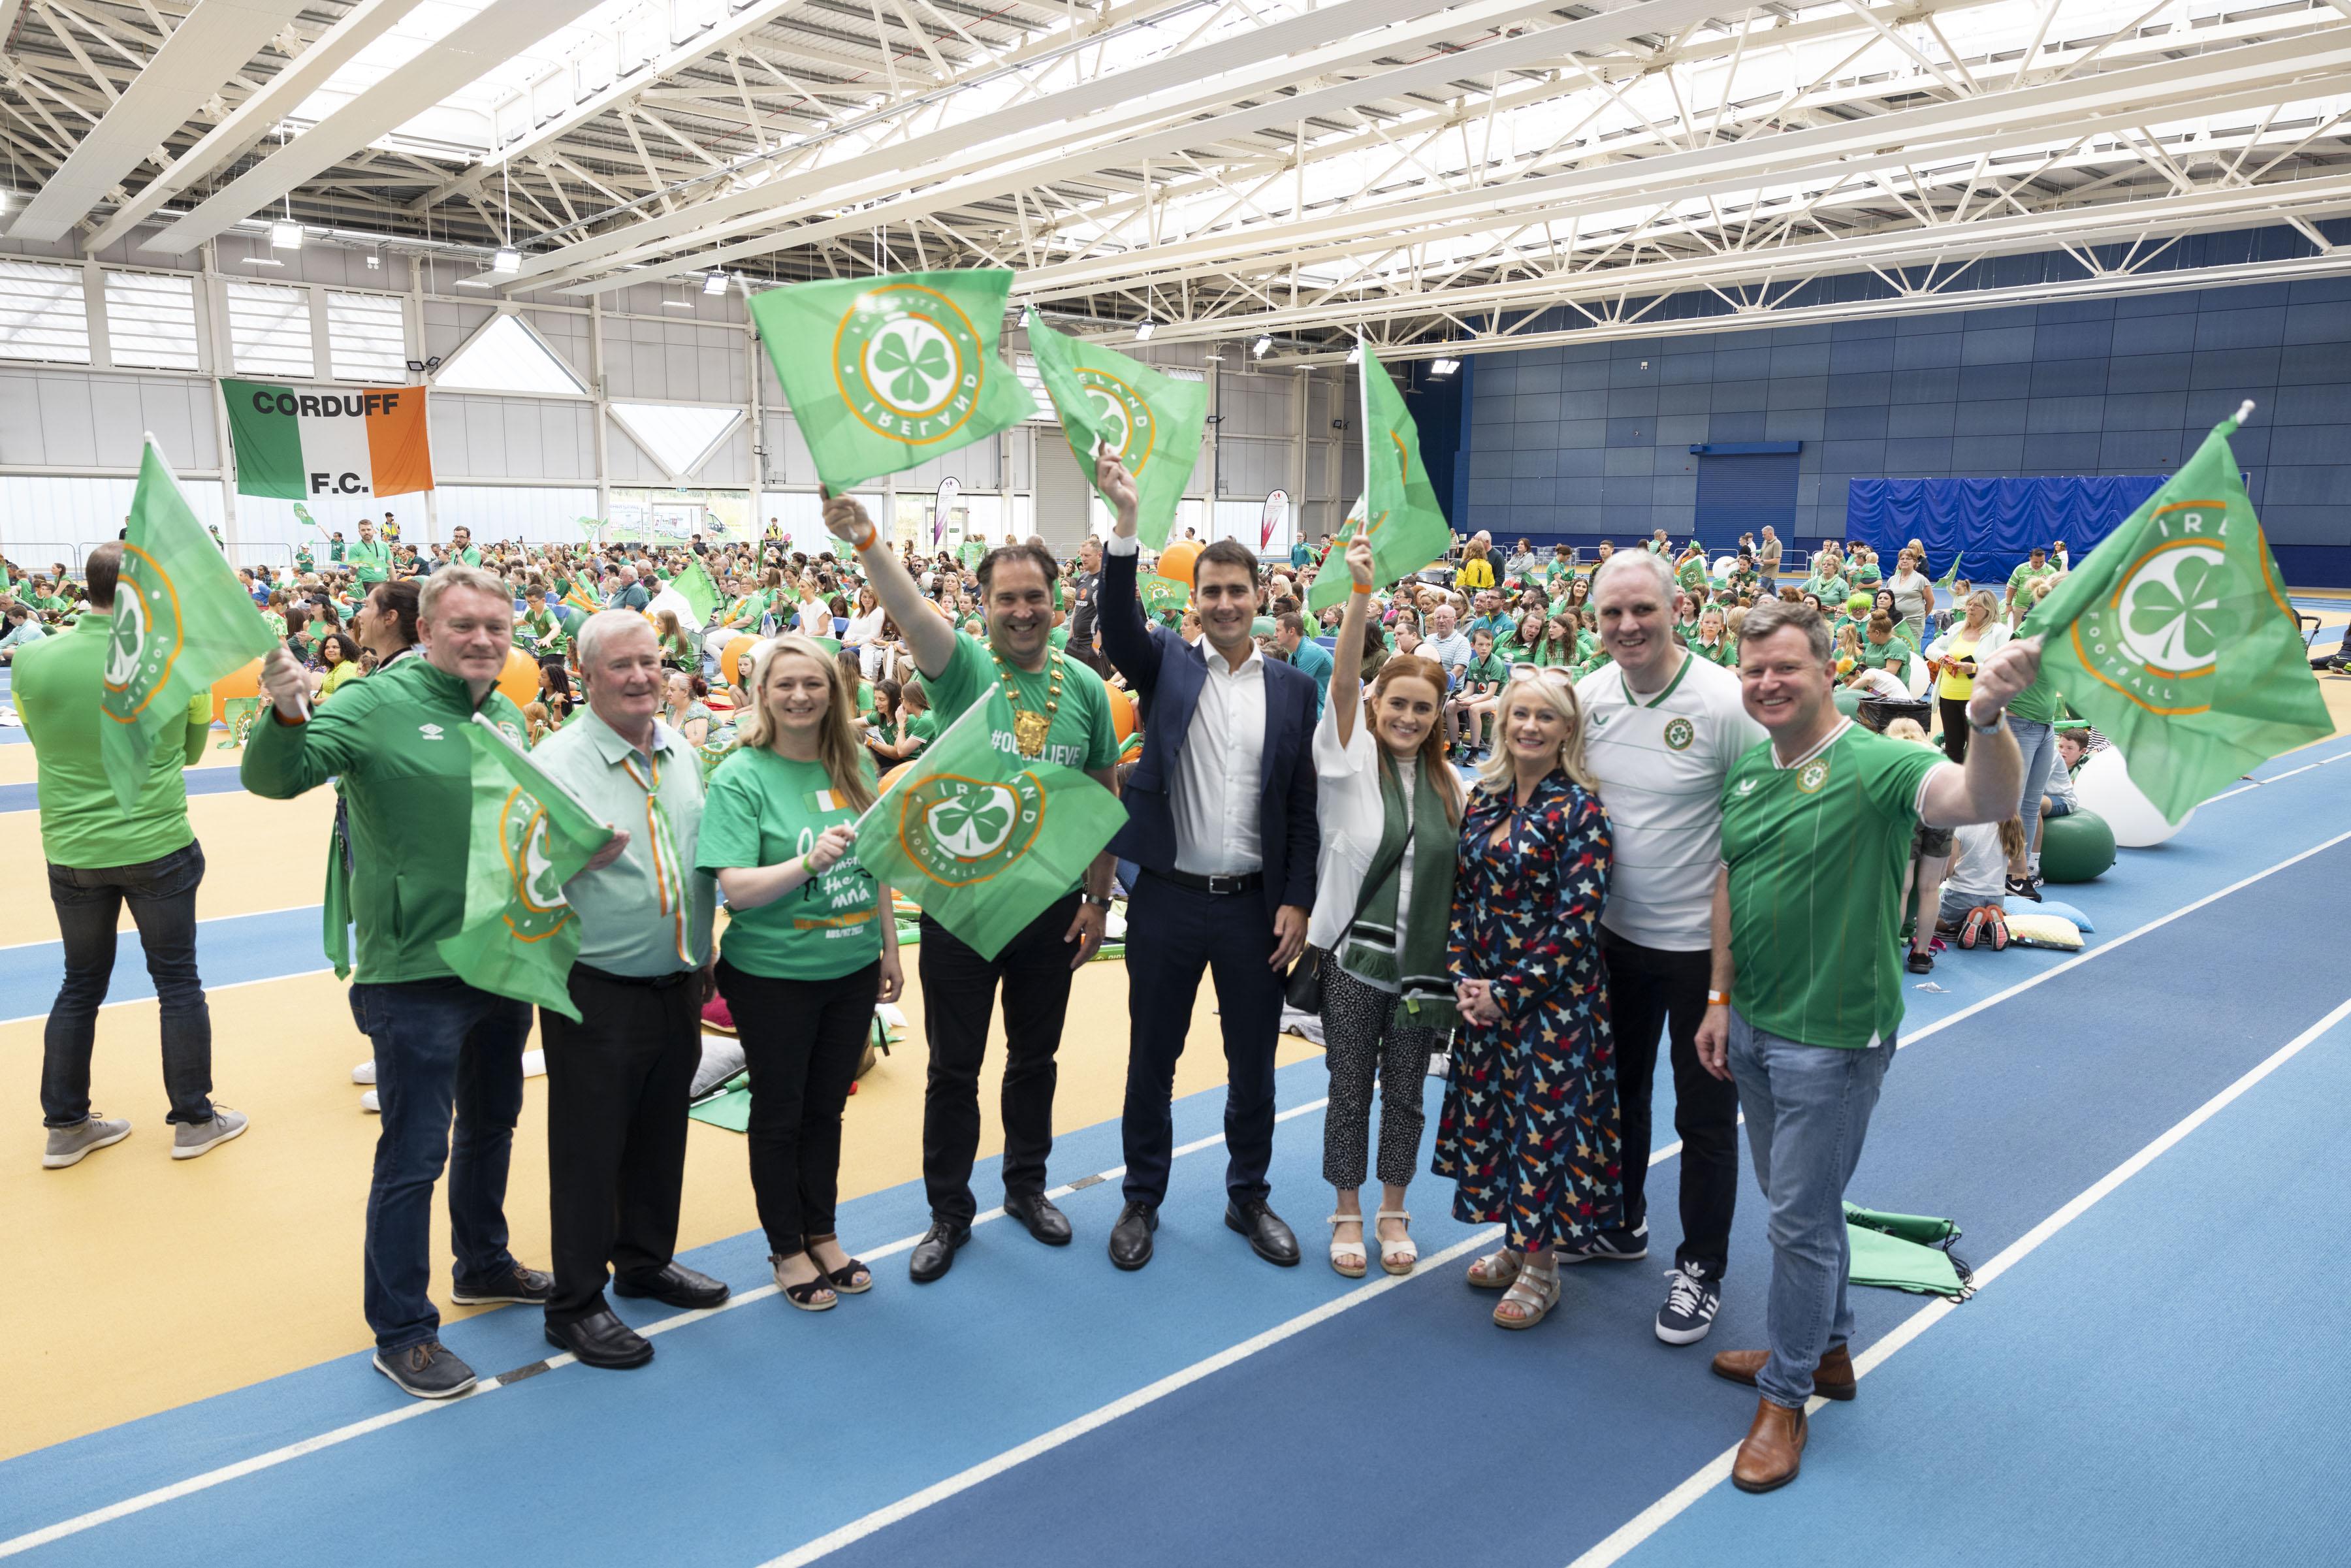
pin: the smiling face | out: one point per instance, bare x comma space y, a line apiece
1535, 728
1636, 624
469, 634
1226, 596
1404, 713
797, 693
625, 681
1782, 683
1020, 611
1440, 622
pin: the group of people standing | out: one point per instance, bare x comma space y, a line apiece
1627, 874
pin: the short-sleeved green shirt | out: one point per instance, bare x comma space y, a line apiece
2040, 703
1083, 735
761, 810
1816, 851
1894, 654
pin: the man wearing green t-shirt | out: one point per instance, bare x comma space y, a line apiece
1062, 715
461, 546
370, 558
101, 858
1806, 992
2021, 580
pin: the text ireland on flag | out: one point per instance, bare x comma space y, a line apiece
883, 373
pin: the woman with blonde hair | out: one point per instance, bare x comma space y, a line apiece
1956, 654
1389, 806
1529, 1128
810, 947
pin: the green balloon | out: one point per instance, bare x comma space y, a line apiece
1261, 627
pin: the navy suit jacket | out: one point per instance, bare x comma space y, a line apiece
1166, 675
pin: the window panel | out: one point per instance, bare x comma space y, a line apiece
269, 330
365, 338
505, 356
151, 319
41, 313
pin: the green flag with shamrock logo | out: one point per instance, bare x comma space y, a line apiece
883, 373
982, 838
1400, 514
1161, 595
530, 836
1148, 418
182, 621
2175, 638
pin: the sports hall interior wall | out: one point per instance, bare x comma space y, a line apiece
1573, 443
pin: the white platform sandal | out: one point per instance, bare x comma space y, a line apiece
1495, 1271
1348, 1259
1534, 1292
1397, 1257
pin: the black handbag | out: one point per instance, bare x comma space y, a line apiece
1302, 989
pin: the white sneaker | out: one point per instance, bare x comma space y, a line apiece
364, 1072
368, 1103
534, 1064
190, 1139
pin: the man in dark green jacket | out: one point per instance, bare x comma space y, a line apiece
101, 858
397, 742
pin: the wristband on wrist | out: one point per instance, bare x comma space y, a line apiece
1987, 728
1361, 588
1718, 998
871, 533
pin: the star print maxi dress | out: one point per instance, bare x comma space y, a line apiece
1529, 1132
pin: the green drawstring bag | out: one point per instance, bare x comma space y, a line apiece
1907, 1252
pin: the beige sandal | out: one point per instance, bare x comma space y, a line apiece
1496, 1270
1534, 1292
1348, 1259
1397, 1257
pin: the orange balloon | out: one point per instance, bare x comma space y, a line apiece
891, 776
1175, 561
733, 657
520, 679
1122, 711
239, 682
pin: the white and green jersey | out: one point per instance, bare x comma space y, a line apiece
1660, 760
1816, 848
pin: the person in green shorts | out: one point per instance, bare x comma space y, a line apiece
1806, 990
1062, 715
811, 947
102, 857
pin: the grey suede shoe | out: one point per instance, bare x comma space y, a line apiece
68, 1145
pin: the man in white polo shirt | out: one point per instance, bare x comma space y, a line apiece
1661, 729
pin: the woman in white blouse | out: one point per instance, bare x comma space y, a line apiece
1390, 809
864, 633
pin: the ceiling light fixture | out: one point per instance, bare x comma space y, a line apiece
1260, 346
285, 233
1144, 328
506, 262
1444, 367
713, 282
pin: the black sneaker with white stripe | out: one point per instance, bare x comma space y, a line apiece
1612, 1247
1691, 1302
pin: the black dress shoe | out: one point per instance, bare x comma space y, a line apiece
1268, 1238
1130, 1239
599, 1339
1036, 1211
676, 1284
935, 1253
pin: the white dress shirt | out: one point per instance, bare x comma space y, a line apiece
1215, 792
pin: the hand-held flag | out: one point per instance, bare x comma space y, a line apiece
1400, 515
1150, 421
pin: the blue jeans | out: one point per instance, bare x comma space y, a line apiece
2039, 743
1807, 1109
440, 1045
161, 894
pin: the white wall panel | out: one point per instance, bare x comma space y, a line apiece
44, 519
535, 514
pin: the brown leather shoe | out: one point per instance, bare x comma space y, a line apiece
1832, 1379
1773, 1451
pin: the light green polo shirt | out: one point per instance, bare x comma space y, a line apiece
56, 687
623, 928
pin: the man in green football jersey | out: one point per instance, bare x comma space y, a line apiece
1807, 986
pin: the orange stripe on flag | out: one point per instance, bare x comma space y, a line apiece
400, 450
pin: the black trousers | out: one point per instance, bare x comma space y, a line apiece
1955, 727
1653, 992
801, 1042
958, 998
617, 1085
1172, 934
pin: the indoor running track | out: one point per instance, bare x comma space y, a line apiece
2148, 1377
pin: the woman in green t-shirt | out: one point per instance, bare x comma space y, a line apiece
810, 947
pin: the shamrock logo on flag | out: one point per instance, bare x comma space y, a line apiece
973, 825
2179, 622
913, 359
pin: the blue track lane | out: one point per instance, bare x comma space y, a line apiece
201, 781
761, 1428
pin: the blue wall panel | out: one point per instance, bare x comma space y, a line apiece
1586, 441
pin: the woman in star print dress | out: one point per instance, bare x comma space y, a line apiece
1530, 1127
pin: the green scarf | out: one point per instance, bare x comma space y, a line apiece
1413, 960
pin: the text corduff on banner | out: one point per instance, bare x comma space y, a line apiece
304, 442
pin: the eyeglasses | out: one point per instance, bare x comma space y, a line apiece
1551, 674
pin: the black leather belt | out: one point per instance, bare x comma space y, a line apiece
649, 982
1236, 882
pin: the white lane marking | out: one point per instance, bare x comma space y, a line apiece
1655, 1517
1103, 1415
344, 1434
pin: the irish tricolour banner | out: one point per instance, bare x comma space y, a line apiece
182, 621
530, 836
2175, 638
883, 373
302, 442
981, 837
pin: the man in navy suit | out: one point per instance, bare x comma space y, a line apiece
1220, 817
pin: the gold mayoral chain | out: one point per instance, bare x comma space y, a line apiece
1028, 728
